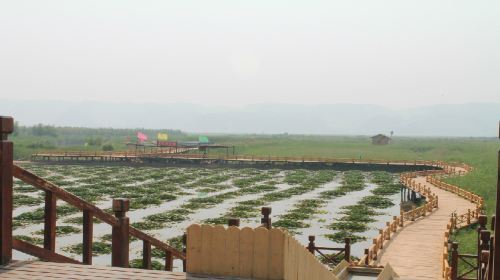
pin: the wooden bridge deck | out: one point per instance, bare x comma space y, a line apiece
416, 251
31, 270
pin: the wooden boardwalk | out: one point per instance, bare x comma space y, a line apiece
27, 270
415, 252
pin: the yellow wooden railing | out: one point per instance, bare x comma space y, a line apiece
432, 202
251, 253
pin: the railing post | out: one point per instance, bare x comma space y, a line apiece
184, 241
49, 229
454, 261
311, 246
146, 254
483, 246
169, 261
367, 258
266, 220
120, 245
490, 261
482, 220
6, 165
88, 229
347, 250
496, 257
233, 222
401, 222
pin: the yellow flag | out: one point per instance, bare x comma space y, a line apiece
162, 136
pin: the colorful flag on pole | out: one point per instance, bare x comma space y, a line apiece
162, 136
141, 137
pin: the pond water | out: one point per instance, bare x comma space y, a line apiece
187, 184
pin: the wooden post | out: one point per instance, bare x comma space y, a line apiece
169, 261
88, 229
266, 220
120, 245
492, 252
235, 222
454, 261
388, 235
482, 220
146, 254
347, 250
311, 246
367, 259
6, 165
483, 246
468, 216
401, 221
496, 257
49, 228
184, 241
381, 232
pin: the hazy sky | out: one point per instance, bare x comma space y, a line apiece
395, 53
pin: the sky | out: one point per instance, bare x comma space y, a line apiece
393, 53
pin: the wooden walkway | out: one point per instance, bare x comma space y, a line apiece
415, 252
26, 270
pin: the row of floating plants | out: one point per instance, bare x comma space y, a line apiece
250, 208
295, 218
117, 183
355, 219
244, 190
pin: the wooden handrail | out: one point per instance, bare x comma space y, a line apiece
41, 253
94, 211
371, 253
40, 183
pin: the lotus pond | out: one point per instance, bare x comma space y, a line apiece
329, 204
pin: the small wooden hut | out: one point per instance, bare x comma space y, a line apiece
381, 139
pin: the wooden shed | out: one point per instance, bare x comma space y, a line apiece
381, 139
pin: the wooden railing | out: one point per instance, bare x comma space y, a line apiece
259, 253
475, 266
120, 225
437, 164
457, 220
432, 202
334, 258
132, 153
121, 230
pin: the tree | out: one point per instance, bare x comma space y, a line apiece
108, 147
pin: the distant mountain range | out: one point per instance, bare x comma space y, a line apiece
474, 120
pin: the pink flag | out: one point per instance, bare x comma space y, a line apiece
141, 137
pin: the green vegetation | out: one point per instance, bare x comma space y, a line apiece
478, 152
98, 248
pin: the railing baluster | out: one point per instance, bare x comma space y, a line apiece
49, 229
311, 246
347, 249
88, 234
120, 246
6, 163
184, 249
146, 254
454, 261
169, 261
